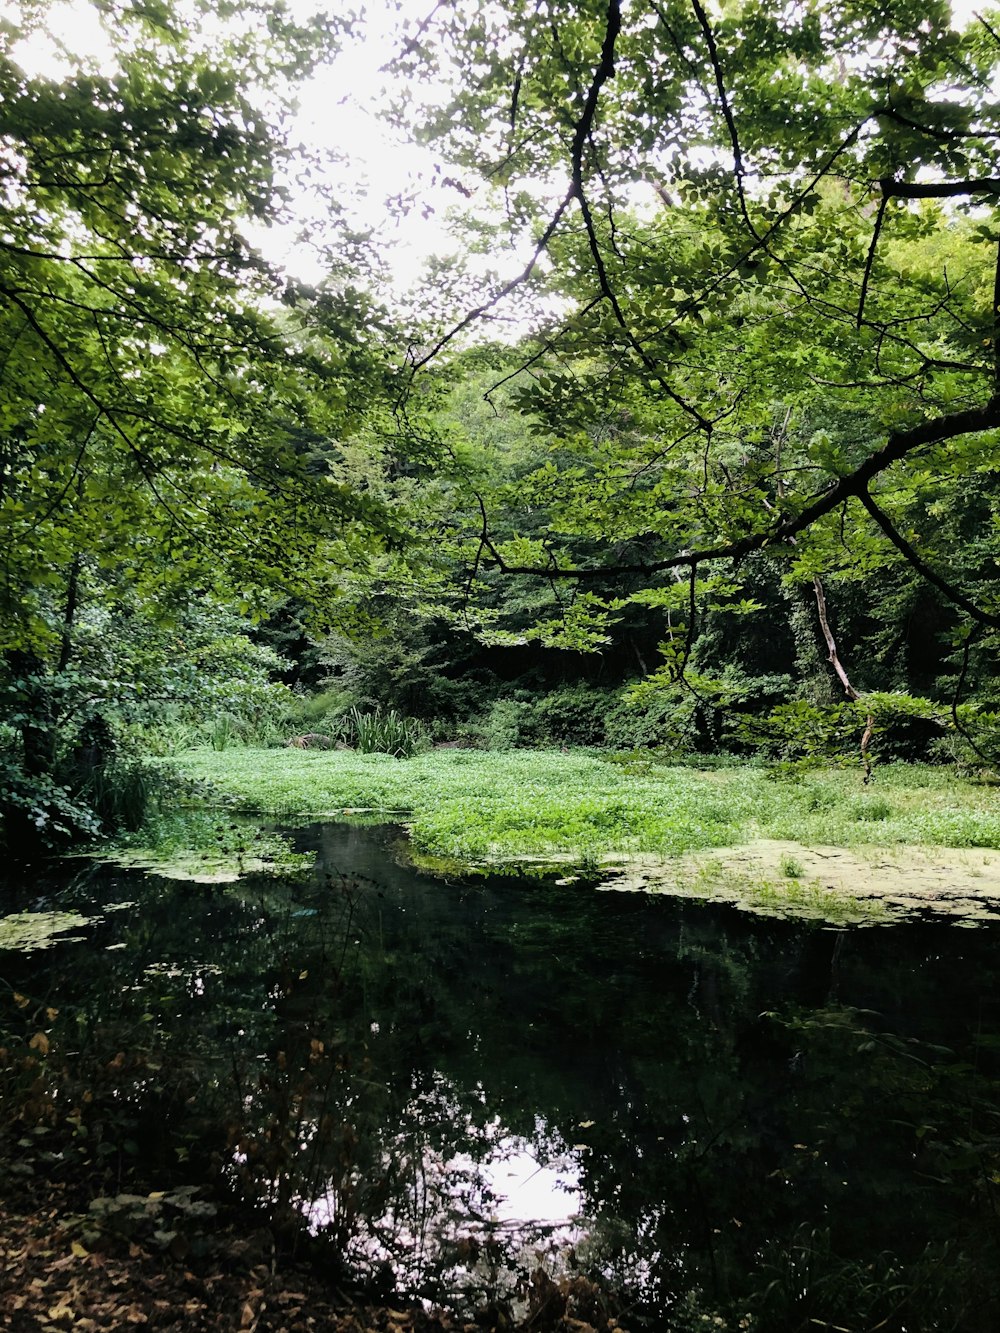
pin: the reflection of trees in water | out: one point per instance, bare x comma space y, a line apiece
470, 1208
746, 1113
728, 1134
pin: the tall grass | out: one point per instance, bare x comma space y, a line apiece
382, 733
123, 793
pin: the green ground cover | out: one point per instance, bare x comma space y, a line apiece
488, 808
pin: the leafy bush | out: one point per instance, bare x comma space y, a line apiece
573, 715
324, 711
871, 810
509, 725
36, 812
651, 720
403, 660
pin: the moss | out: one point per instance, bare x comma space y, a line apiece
842, 886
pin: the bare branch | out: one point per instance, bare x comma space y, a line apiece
419, 362
869, 262
923, 569
727, 112
841, 672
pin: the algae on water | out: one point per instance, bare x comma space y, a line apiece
860, 886
27, 931
199, 847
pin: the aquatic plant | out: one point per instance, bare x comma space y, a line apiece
27, 931
382, 733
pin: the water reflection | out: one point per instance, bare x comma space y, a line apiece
724, 1116
505, 1202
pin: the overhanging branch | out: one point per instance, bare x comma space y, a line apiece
923, 569
899, 445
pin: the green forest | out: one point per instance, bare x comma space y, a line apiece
724, 490
646, 539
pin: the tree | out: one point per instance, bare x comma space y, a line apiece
796, 347
173, 411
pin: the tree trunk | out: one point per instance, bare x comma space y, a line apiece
37, 724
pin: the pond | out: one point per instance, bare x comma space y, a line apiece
721, 1117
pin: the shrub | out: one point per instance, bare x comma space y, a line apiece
651, 720
323, 711
509, 725
573, 715
38, 813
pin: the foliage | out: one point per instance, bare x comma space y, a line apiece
762, 364
507, 725
129, 687
481, 809
37, 810
322, 711
382, 733
177, 415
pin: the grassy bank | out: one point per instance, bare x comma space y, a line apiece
481, 808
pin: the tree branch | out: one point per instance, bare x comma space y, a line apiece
727, 112
870, 260
899, 445
605, 71
417, 363
841, 672
923, 569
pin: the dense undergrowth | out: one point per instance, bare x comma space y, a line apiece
478, 807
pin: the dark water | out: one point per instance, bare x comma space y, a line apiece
764, 1123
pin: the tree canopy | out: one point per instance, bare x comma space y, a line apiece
176, 414
168, 397
804, 325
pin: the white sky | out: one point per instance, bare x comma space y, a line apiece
339, 109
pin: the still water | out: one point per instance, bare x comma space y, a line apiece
731, 1121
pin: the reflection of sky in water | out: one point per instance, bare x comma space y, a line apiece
525, 1189
522, 1193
